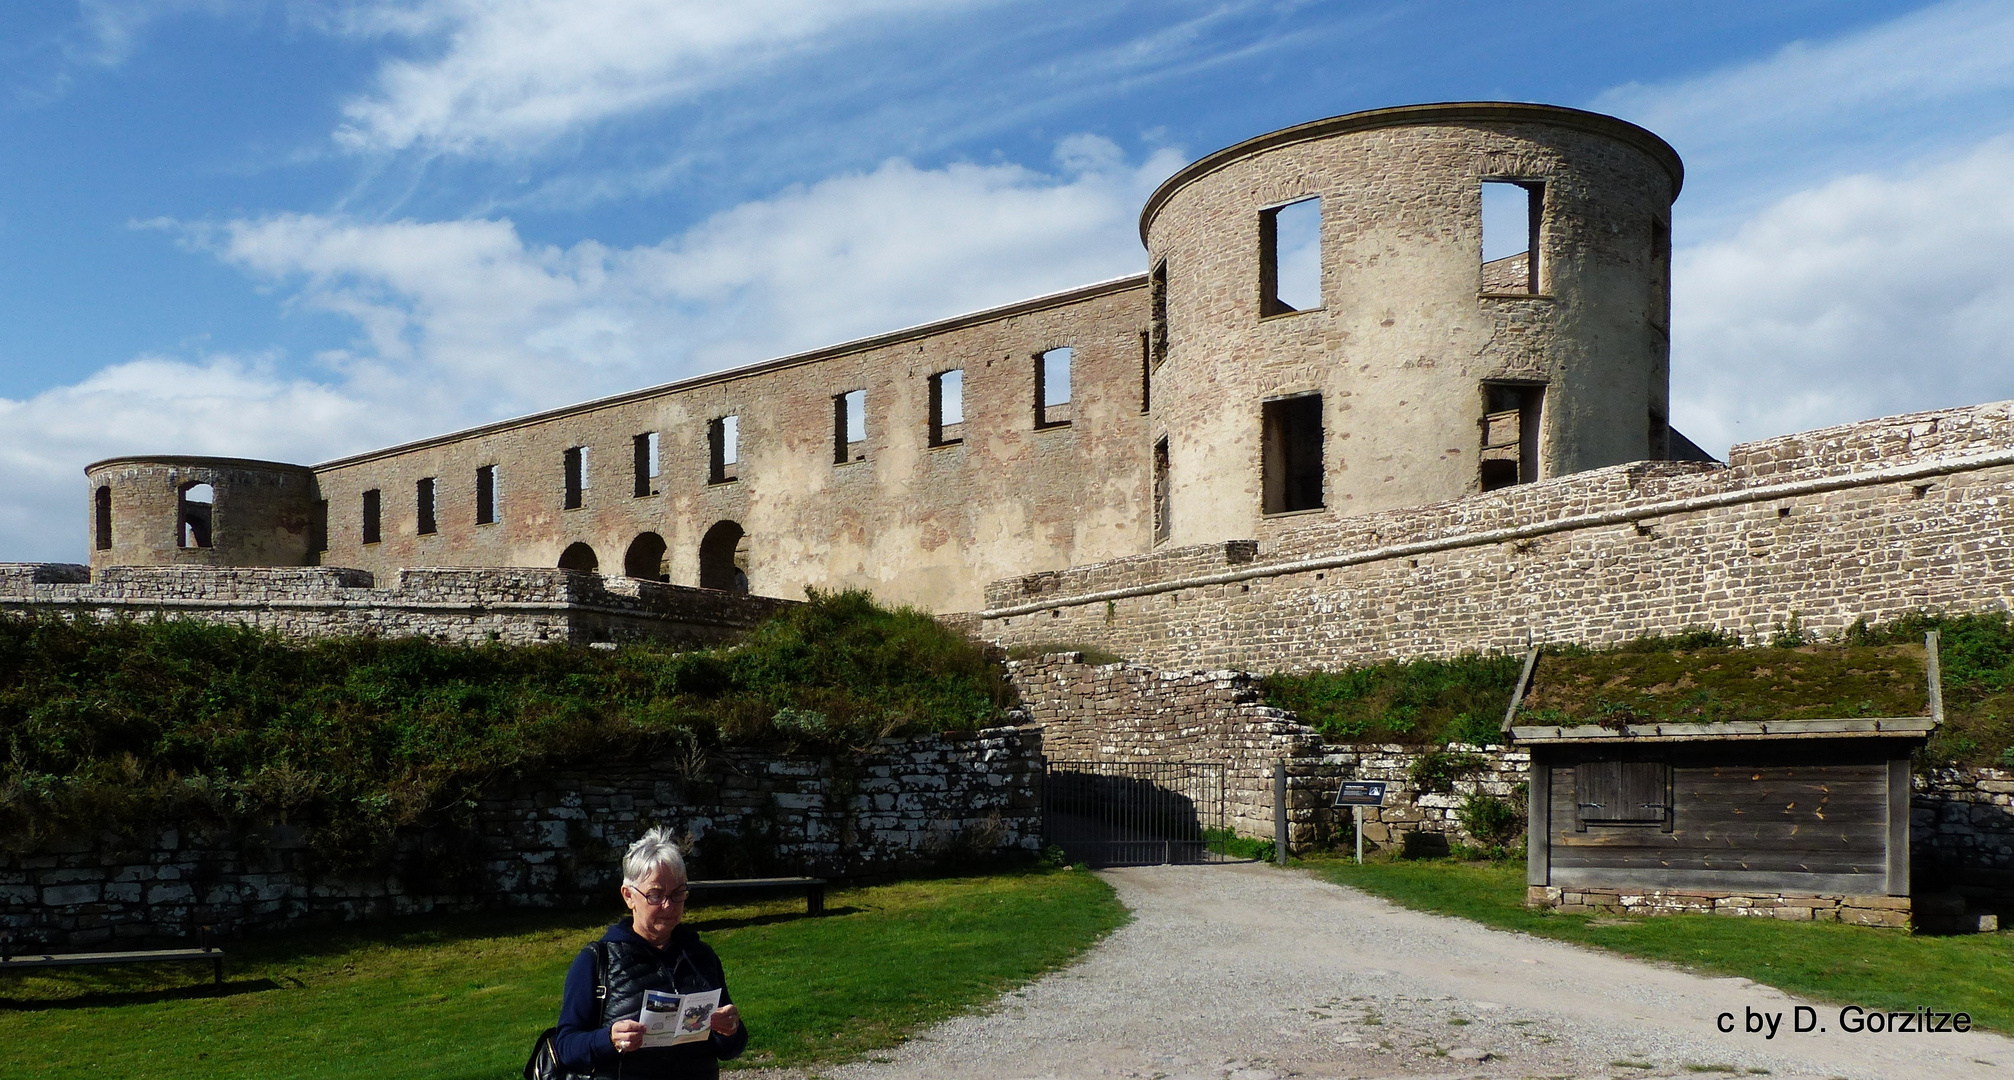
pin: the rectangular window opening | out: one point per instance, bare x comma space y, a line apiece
849, 427
947, 407
373, 517
576, 477
1162, 523
318, 528
1510, 433
644, 449
1621, 793
423, 496
1292, 453
1512, 211
1290, 258
723, 450
1052, 388
486, 495
194, 515
102, 517
1157, 319
1146, 373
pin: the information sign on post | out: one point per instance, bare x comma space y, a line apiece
1357, 794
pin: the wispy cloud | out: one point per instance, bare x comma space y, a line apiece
1866, 296
513, 74
464, 321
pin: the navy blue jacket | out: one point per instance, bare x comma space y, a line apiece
582, 1041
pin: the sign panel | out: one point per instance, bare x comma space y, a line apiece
1361, 793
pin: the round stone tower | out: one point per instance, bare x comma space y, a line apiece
1328, 339
202, 511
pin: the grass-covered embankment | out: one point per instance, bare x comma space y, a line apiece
134, 726
462, 998
1696, 677
1867, 966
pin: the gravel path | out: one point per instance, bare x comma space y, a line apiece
1247, 972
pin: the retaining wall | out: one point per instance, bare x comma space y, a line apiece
556, 841
515, 605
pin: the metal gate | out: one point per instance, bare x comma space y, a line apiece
1135, 813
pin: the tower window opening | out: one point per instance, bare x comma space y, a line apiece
1292, 453
723, 450
1162, 522
1052, 388
486, 495
1146, 372
1510, 434
195, 516
373, 517
1512, 212
1157, 319
1290, 258
423, 496
644, 449
849, 427
318, 527
101, 517
576, 477
947, 408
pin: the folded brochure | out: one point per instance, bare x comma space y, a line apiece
670, 1018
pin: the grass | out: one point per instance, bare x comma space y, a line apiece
462, 998
1868, 966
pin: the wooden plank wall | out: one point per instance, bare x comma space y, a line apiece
1747, 817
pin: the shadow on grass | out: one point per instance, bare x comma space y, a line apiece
109, 998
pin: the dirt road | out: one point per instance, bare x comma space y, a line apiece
1253, 973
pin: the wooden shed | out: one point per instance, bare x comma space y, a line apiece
1797, 818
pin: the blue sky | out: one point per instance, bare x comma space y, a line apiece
299, 228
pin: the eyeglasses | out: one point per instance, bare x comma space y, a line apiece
660, 898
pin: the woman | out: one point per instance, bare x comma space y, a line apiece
599, 1034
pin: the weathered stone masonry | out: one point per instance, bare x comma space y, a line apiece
556, 841
1870, 520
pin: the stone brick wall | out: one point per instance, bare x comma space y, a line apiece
556, 841
1962, 836
518, 606
1795, 907
1871, 520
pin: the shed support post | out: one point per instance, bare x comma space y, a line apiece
1538, 820
1280, 811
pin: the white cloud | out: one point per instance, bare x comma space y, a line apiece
516, 73
1867, 296
464, 321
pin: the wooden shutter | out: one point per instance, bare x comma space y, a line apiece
1620, 792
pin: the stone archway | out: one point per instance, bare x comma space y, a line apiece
579, 556
723, 558
645, 558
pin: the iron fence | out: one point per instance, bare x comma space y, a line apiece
1135, 813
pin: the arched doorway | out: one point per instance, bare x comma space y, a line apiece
579, 556
645, 558
723, 558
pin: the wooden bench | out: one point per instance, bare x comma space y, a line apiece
201, 954
812, 887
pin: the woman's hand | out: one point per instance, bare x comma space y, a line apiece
726, 1020
626, 1035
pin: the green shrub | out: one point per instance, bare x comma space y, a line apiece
133, 726
1494, 822
1435, 772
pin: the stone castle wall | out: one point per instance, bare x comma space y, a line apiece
556, 841
1870, 520
517, 606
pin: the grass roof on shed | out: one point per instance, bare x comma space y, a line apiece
1721, 684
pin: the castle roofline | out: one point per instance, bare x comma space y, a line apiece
1446, 112
192, 460
764, 367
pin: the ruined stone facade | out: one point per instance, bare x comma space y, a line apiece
1182, 405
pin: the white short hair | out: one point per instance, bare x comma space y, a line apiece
653, 851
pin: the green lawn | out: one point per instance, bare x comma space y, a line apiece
462, 998
1828, 961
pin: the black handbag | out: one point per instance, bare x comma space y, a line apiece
544, 1063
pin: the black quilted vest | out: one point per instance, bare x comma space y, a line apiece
628, 969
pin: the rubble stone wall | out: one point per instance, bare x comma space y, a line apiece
516, 605
556, 841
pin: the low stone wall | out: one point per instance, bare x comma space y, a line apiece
516, 605
556, 841
1796, 907
1874, 520
1962, 840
